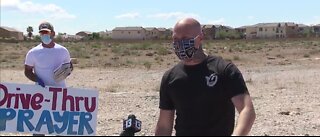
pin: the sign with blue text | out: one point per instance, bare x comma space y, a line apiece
50, 110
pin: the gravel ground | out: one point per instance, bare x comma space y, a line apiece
286, 98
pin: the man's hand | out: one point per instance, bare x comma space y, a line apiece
63, 71
71, 66
40, 82
28, 72
165, 123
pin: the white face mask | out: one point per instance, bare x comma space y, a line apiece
46, 39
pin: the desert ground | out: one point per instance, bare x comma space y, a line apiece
282, 77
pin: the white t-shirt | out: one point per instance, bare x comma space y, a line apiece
46, 60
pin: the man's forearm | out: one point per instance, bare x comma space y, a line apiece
245, 122
165, 123
31, 76
163, 132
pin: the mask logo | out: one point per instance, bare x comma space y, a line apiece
46, 39
212, 80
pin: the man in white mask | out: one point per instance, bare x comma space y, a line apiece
42, 60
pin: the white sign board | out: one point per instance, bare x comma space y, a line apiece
51, 111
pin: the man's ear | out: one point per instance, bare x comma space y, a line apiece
199, 41
53, 33
201, 36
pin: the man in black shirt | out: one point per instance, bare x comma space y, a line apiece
202, 90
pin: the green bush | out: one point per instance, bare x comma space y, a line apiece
147, 65
116, 49
143, 46
236, 58
162, 50
230, 35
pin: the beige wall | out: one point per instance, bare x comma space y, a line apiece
209, 33
11, 34
129, 35
292, 31
167, 34
271, 32
83, 34
251, 32
153, 34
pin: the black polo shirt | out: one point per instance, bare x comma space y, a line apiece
201, 96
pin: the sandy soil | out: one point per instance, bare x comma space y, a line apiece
286, 98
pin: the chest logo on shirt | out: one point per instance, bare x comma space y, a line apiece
212, 80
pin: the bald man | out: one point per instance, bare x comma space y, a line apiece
202, 90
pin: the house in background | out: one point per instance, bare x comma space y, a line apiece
272, 30
222, 32
171, 32
7, 32
303, 27
291, 30
251, 32
105, 34
129, 33
164, 33
209, 31
84, 33
316, 30
109, 34
69, 38
304, 30
152, 33
218, 32
241, 31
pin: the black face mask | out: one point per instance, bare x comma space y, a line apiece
185, 49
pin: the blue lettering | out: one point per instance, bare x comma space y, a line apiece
45, 119
5, 115
72, 122
63, 119
24, 116
84, 123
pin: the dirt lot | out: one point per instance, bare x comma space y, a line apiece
282, 77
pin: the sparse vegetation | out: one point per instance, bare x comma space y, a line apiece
147, 65
12, 56
162, 51
129, 62
116, 49
141, 46
4, 60
314, 52
306, 56
114, 88
125, 85
249, 81
148, 54
279, 56
236, 58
